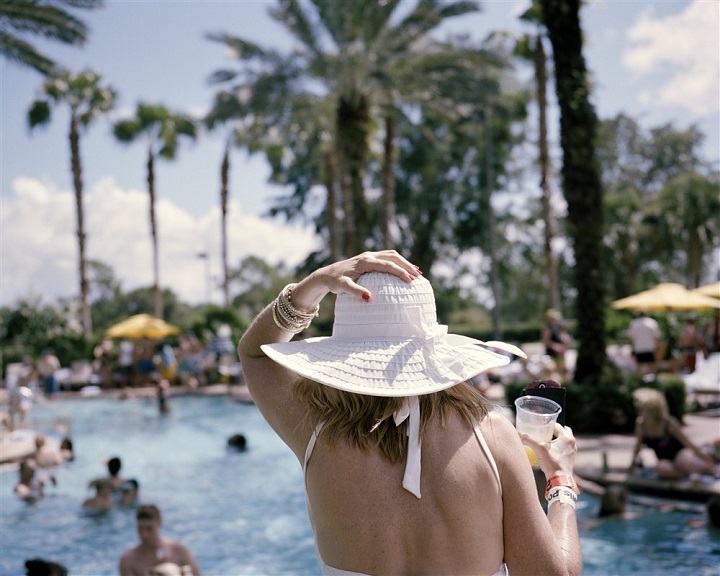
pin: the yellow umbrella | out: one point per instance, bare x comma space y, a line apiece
142, 326
666, 296
709, 290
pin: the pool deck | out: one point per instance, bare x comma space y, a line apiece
615, 449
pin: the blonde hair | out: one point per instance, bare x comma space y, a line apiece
651, 403
366, 422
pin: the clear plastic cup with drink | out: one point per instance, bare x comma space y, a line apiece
536, 417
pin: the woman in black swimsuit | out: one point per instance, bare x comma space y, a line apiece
677, 456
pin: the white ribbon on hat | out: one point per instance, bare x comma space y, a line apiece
411, 409
434, 334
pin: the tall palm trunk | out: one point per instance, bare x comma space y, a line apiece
331, 206
581, 183
695, 254
490, 224
76, 169
224, 181
157, 295
348, 222
388, 181
353, 126
540, 61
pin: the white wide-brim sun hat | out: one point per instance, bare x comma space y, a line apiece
390, 346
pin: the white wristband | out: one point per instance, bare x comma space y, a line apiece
561, 494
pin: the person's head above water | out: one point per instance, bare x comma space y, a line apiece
114, 465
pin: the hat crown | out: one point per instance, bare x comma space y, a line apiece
396, 308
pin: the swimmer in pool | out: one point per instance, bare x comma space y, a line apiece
154, 548
101, 502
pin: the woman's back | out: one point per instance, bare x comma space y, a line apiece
357, 503
373, 509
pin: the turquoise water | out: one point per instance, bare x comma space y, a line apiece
240, 513
244, 513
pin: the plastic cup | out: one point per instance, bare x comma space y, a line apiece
536, 417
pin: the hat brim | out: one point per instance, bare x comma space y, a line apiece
391, 367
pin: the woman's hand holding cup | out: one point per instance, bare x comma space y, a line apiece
556, 456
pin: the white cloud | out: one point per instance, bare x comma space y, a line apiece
684, 51
39, 246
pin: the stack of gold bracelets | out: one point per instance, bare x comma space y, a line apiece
289, 318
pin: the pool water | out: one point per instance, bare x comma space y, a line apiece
240, 513
655, 542
244, 513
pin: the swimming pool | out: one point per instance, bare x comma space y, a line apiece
240, 513
244, 513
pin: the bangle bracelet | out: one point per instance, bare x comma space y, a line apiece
561, 494
289, 318
561, 479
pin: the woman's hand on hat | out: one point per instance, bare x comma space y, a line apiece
342, 276
556, 456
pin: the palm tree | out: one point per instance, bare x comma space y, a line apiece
366, 64
19, 18
375, 65
231, 109
162, 129
86, 99
285, 120
581, 181
687, 212
532, 47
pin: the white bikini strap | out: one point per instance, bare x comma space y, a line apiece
311, 444
488, 454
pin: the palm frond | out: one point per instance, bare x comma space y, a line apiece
39, 113
22, 52
242, 49
22, 18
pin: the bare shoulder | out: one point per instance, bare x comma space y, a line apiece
499, 433
127, 565
497, 424
180, 553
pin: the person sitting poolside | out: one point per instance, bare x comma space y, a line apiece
406, 470
677, 455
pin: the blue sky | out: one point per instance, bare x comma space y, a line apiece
643, 57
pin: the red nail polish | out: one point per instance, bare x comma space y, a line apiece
366, 297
